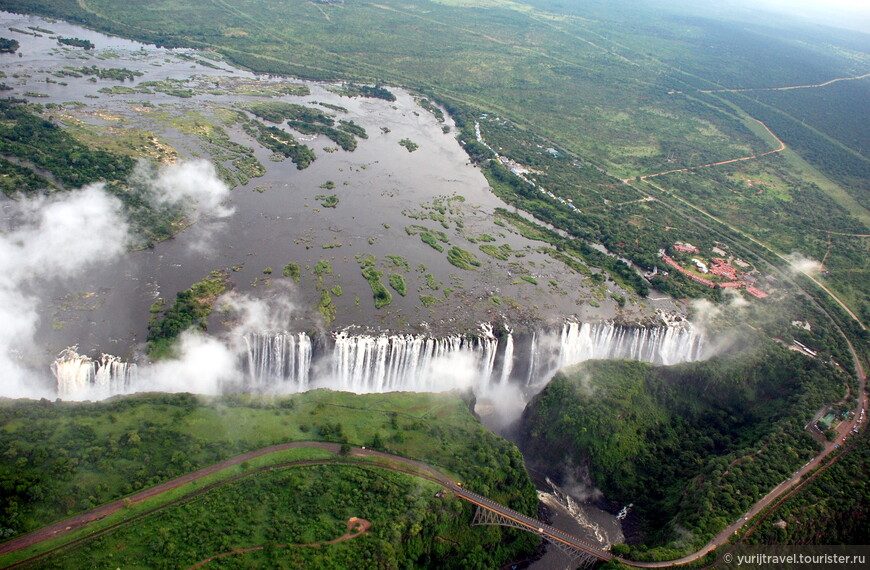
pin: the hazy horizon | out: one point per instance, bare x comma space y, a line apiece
849, 14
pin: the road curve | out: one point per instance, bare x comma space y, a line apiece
535, 526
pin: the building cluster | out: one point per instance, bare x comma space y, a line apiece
718, 267
686, 247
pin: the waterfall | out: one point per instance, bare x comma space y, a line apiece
363, 363
659, 345
79, 376
366, 363
277, 358
507, 365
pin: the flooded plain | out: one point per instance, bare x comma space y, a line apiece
385, 195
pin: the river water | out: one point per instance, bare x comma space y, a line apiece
382, 189
106, 307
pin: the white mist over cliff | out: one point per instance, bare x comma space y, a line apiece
496, 365
50, 238
41, 239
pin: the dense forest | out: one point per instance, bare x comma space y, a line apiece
61, 458
833, 509
692, 445
190, 309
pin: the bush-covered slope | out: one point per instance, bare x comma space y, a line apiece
692, 445
833, 509
62, 458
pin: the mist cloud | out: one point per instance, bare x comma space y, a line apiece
202, 366
59, 236
800, 263
40, 239
194, 185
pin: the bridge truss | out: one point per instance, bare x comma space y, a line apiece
579, 557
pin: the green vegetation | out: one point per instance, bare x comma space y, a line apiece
428, 300
342, 138
330, 201
279, 111
398, 261
63, 458
431, 241
28, 137
462, 259
328, 185
529, 278
331, 107
281, 143
321, 268
834, 505
8, 46
427, 104
76, 42
578, 254
291, 270
397, 282
326, 307
378, 496
381, 296
584, 96
409, 144
190, 309
502, 252
352, 128
117, 90
700, 442
40, 145
118, 74
373, 92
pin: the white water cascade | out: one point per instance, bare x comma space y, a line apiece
364, 363
293, 362
276, 358
507, 364
660, 345
82, 377
550, 351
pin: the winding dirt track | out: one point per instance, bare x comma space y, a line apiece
355, 527
787, 88
781, 148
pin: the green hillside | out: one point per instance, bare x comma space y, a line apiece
691, 445
60, 459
